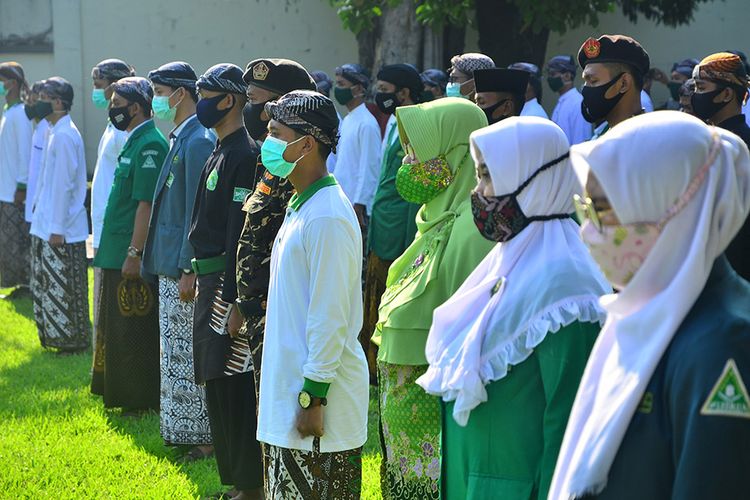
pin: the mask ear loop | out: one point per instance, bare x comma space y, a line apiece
539, 171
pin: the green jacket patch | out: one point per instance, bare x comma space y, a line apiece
729, 396
240, 194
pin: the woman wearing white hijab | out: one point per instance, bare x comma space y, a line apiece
531, 305
662, 410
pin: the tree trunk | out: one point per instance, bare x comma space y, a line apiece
366, 41
454, 38
501, 37
400, 36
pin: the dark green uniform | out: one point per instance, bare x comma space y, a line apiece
690, 436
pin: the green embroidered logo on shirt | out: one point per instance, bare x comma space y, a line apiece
240, 194
149, 162
170, 179
729, 396
213, 179
176, 159
647, 403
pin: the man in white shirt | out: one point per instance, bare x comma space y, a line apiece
561, 74
314, 384
38, 145
358, 153
111, 143
60, 222
15, 148
532, 107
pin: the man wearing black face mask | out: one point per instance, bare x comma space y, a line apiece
392, 224
220, 351
128, 312
613, 70
721, 85
500, 92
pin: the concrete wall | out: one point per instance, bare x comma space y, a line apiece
148, 33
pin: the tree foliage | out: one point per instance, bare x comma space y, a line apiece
537, 15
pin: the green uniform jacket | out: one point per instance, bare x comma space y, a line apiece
509, 447
138, 168
393, 220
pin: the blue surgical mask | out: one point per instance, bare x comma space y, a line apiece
99, 99
272, 156
162, 109
453, 90
3, 90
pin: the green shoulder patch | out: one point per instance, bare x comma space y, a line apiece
729, 396
240, 194
213, 179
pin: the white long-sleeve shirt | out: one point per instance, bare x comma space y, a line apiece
358, 156
110, 146
567, 115
313, 319
646, 103
533, 108
15, 148
60, 200
38, 144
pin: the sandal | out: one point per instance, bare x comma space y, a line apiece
194, 454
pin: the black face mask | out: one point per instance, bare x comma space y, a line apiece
704, 106
674, 89
256, 127
120, 117
207, 112
555, 83
595, 106
491, 109
30, 111
42, 109
387, 102
500, 218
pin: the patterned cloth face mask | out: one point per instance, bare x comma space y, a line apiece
620, 250
500, 218
421, 182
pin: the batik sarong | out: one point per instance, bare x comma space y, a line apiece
183, 412
60, 294
314, 475
14, 241
129, 335
409, 434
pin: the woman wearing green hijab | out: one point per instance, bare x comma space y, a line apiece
438, 172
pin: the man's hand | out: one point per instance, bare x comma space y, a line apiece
56, 240
310, 421
131, 268
361, 212
186, 287
659, 76
235, 322
19, 198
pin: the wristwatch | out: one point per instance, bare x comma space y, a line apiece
307, 400
134, 252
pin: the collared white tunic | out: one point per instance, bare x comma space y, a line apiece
567, 115
110, 146
358, 156
59, 203
312, 322
38, 145
15, 149
533, 108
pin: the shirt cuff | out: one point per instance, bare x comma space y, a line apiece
316, 389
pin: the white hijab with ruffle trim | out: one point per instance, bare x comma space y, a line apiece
644, 165
535, 284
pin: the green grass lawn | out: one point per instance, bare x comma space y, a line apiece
58, 441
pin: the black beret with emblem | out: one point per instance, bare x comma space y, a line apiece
278, 75
614, 49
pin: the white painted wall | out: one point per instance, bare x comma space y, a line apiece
148, 33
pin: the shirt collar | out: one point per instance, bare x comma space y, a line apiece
567, 95
298, 200
61, 122
175, 133
142, 125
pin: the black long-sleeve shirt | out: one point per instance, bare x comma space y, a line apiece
227, 178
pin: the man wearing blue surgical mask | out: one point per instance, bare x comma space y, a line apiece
168, 255
461, 74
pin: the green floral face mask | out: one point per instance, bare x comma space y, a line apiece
421, 182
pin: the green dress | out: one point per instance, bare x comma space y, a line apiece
509, 447
446, 249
